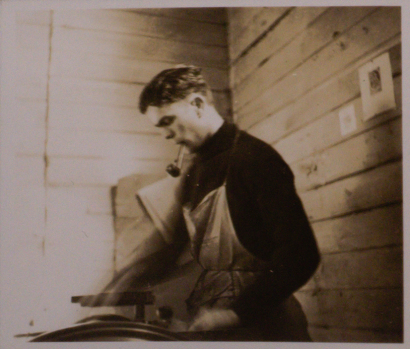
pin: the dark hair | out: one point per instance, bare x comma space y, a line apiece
172, 85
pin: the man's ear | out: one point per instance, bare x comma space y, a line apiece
198, 102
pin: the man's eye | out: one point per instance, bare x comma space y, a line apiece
166, 121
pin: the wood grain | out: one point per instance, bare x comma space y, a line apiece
201, 14
139, 24
357, 154
100, 144
260, 21
325, 131
302, 49
75, 116
33, 17
332, 94
333, 59
93, 66
375, 268
138, 47
374, 188
380, 309
89, 172
291, 26
375, 228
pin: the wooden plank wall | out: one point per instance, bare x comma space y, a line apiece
81, 72
28, 200
292, 70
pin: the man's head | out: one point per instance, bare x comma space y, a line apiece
179, 101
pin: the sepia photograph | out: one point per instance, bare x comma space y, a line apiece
207, 172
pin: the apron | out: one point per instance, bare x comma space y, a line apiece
228, 268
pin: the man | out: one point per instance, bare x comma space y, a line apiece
246, 224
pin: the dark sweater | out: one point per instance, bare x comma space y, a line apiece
267, 214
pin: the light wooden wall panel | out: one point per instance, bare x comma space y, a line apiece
203, 14
368, 150
332, 59
312, 138
79, 132
135, 23
382, 309
288, 87
97, 117
258, 23
331, 94
382, 185
141, 47
26, 241
100, 144
292, 25
370, 229
121, 69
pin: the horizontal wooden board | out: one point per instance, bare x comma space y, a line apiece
33, 17
138, 47
351, 309
314, 38
94, 92
32, 62
259, 23
121, 69
332, 94
88, 231
333, 59
115, 145
135, 23
30, 115
28, 202
111, 94
96, 117
68, 172
29, 170
341, 335
30, 142
32, 89
375, 228
239, 19
357, 154
290, 27
33, 37
375, 268
85, 202
300, 49
200, 14
377, 187
91, 256
325, 131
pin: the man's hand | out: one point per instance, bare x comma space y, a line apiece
211, 319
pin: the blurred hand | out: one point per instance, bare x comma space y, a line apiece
212, 319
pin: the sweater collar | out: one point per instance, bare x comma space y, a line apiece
219, 142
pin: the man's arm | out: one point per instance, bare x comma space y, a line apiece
293, 255
152, 261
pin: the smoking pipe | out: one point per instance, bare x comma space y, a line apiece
174, 169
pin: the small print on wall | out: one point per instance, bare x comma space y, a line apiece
376, 86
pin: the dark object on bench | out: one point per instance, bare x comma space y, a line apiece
138, 299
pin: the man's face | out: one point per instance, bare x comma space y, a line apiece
180, 121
